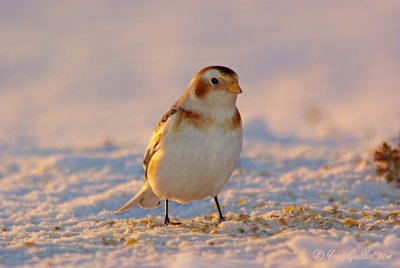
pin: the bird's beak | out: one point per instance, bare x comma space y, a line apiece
235, 88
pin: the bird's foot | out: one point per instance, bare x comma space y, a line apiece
174, 223
168, 222
221, 219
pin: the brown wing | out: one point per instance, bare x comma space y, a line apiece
156, 138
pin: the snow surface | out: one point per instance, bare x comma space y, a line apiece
82, 85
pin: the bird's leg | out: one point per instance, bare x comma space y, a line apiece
166, 220
221, 217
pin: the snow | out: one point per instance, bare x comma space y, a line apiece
82, 86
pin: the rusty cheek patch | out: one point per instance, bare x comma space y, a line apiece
200, 89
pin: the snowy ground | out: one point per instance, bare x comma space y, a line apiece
83, 84
282, 204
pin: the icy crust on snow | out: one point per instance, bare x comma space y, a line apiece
283, 204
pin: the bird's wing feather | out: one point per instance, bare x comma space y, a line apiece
157, 137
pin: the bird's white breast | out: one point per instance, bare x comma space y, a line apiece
194, 163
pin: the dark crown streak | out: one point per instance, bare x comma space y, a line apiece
222, 69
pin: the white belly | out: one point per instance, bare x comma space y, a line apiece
193, 164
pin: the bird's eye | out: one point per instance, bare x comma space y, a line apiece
214, 81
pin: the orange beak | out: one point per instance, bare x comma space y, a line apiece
235, 88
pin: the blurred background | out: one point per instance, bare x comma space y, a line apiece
83, 73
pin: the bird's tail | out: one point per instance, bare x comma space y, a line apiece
145, 198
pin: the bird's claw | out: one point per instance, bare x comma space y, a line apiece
221, 220
168, 222
173, 223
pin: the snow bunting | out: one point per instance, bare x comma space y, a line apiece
194, 148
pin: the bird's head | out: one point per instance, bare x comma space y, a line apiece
214, 87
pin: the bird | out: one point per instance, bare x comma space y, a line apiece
195, 146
